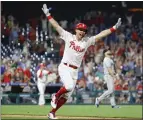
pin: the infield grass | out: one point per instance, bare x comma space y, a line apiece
126, 111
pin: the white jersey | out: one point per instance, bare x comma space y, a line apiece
107, 62
42, 76
74, 49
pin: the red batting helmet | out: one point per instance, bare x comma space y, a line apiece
81, 26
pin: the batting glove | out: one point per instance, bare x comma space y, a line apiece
46, 10
118, 24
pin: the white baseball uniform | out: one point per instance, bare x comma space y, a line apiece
73, 55
108, 62
41, 84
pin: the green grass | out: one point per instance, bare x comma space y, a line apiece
126, 111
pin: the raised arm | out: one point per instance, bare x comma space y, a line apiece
51, 19
107, 32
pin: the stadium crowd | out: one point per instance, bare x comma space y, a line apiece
24, 47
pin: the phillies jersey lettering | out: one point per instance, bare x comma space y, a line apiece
74, 49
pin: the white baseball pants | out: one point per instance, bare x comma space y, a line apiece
68, 77
41, 87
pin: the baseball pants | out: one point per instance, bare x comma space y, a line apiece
68, 77
110, 92
41, 87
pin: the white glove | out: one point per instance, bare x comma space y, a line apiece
46, 10
118, 24
51, 78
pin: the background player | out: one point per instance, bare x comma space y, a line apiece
42, 75
75, 48
109, 77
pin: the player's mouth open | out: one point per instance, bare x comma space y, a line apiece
81, 35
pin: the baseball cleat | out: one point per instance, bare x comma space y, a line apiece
51, 115
116, 106
54, 101
97, 102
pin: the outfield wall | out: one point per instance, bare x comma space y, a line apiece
78, 97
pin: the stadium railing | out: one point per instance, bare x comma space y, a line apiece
78, 98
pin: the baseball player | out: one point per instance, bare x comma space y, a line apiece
42, 74
109, 76
75, 48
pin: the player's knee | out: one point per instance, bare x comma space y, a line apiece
70, 87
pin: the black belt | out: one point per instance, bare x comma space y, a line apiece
72, 66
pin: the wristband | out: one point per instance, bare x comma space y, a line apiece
49, 17
112, 29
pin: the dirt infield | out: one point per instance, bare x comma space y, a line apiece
64, 117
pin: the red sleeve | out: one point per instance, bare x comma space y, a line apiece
49, 72
27, 73
40, 74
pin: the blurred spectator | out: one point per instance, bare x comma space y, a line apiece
118, 85
32, 34
44, 23
139, 70
139, 88
3, 20
27, 75
129, 18
10, 21
63, 24
18, 78
99, 54
33, 22
25, 50
7, 76
90, 81
14, 34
